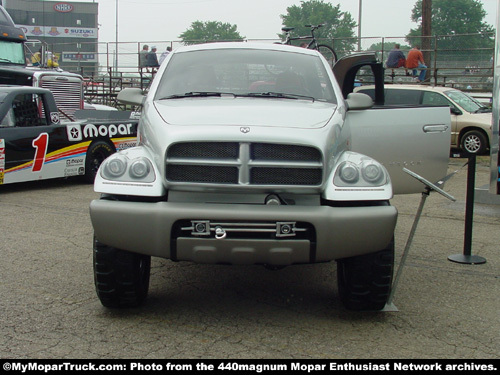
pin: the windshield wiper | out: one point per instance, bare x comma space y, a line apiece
483, 110
281, 95
200, 94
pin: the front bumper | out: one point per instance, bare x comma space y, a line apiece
153, 229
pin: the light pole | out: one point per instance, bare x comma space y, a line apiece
116, 44
359, 24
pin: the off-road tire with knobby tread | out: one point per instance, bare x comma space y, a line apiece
365, 281
121, 277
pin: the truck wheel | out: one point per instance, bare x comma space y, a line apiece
365, 281
474, 142
121, 278
96, 153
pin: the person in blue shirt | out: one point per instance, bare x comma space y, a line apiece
396, 58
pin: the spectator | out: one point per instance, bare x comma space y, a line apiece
50, 61
142, 56
36, 59
396, 58
414, 61
165, 54
152, 59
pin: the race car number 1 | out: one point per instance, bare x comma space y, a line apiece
40, 144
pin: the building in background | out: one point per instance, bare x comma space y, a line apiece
70, 30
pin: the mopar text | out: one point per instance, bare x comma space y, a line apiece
92, 131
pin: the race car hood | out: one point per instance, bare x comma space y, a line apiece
270, 112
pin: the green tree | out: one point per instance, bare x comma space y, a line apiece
211, 31
387, 46
452, 18
339, 26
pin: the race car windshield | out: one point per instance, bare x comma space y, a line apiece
246, 72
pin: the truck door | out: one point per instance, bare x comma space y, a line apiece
414, 138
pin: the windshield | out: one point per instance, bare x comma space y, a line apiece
12, 52
246, 72
466, 102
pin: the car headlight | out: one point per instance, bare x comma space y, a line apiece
366, 173
372, 172
349, 173
120, 168
114, 167
139, 168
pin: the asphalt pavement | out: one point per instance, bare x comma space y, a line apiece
49, 308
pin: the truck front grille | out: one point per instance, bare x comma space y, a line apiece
233, 163
68, 94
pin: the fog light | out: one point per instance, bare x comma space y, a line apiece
200, 227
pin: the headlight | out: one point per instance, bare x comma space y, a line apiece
120, 168
114, 167
366, 173
372, 172
349, 173
139, 168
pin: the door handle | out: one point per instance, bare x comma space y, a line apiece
435, 128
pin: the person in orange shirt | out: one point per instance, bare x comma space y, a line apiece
414, 61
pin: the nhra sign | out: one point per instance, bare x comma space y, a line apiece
63, 7
79, 56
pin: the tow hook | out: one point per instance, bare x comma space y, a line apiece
220, 233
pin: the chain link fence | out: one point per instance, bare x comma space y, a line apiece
461, 61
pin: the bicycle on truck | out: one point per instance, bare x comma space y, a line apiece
327, 51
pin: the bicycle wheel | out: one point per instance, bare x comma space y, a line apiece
328, 53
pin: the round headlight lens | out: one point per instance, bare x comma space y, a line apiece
372, 172
139, 168
349, 173
116, 166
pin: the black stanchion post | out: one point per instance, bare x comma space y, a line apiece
467, 256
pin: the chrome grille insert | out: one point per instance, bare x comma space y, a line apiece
68, 93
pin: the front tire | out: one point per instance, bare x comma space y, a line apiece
474, 142
121, 278
96, 153
365, 281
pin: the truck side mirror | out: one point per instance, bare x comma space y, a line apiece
133, 96
356, 101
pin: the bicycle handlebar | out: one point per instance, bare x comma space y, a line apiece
314, 27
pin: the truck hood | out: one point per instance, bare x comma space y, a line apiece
290, 113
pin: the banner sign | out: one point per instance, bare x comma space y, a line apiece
79, 56
58, 31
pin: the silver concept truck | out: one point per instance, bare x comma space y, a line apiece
261, 154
